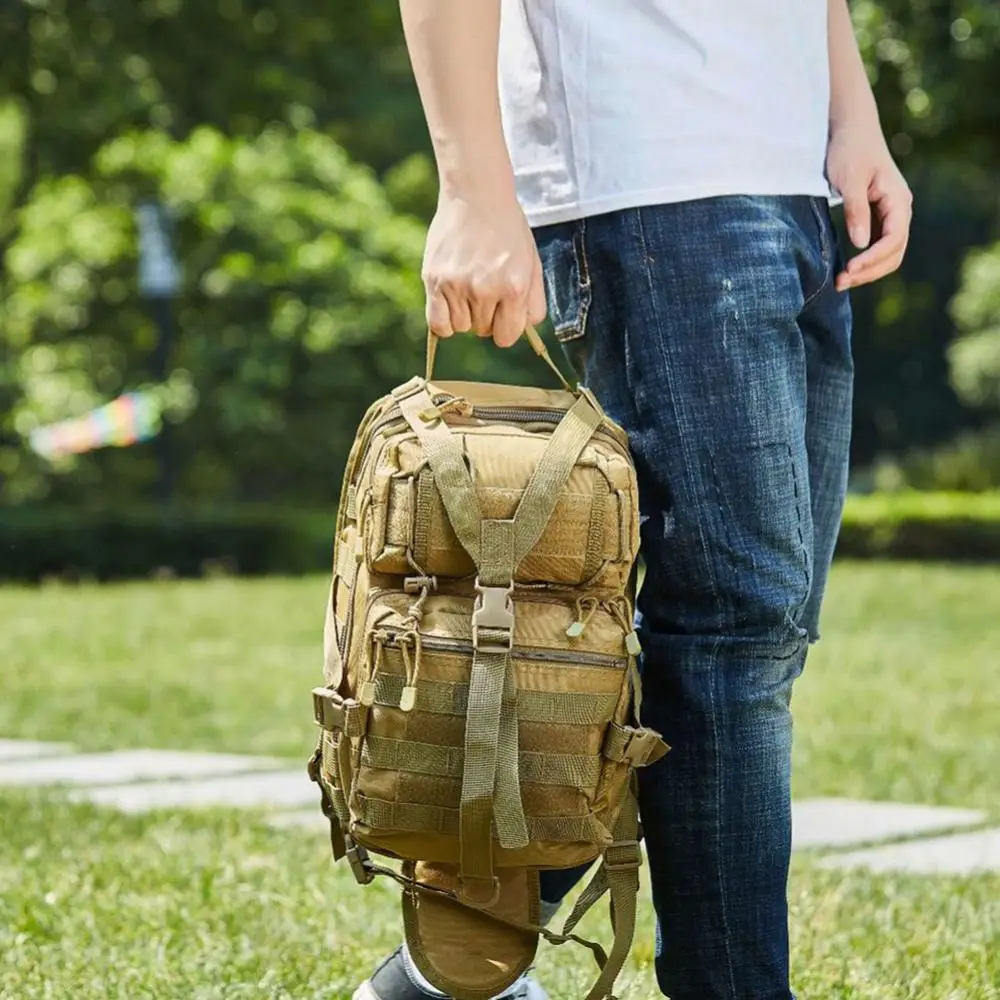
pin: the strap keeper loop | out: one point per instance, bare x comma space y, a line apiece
623, 856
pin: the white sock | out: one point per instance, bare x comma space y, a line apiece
415, 976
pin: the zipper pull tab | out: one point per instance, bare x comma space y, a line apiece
367, 694
632, 643
620, 610
408, 696
582, 617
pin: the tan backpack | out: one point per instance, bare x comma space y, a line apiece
480, 714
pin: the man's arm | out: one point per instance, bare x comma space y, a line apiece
481, 268
877, 200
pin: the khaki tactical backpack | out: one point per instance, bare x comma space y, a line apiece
479, 720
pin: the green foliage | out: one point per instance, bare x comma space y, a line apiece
301, 300
933, 65
138, 542
959, 527
969, 463
903, 331
91, 69
975, 356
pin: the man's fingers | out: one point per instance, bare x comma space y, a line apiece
537, 309
509, 322
439, 315
857, 212
483, 308
870, 274
885, 256
458, 307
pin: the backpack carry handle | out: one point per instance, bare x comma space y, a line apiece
530, 334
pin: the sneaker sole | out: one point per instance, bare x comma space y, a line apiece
533, 992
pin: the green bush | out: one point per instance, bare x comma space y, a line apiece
107, 545
958, 527
969, 463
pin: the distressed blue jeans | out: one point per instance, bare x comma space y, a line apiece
711, 330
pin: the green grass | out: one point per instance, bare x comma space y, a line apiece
899, 701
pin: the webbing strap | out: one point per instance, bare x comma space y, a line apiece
621, 867
490, 766
508, 810
596, 888
551, 474
573, 770
561, 708
418, 817
458, 494
490, 781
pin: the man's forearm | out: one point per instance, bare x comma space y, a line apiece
453, 47
851, 98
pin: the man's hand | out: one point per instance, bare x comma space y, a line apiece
877, 203
481, 269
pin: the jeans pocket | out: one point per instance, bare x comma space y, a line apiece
567, 279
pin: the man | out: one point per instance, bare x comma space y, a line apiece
676, 160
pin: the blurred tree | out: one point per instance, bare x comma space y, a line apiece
302, 295
933, 64
934, 67
302, 302
903, 330
975, 356
89, 69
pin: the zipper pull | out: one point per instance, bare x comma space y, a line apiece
367, 695
582, 618
632, 645
408, 697
436, 411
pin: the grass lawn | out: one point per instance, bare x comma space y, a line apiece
900, 701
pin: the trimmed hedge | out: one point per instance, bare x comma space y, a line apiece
39, 543
36, 544
957, 527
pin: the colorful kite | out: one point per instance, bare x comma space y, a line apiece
126, 420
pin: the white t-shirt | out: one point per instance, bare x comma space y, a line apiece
611, 104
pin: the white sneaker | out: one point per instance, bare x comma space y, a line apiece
392, 981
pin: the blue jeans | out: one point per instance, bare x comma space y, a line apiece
712, 332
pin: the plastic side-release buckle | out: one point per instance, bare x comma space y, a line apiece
493, 619
335, 713
635, 747
645, 746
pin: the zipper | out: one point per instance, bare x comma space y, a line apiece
520, 416
513, 415
463, 647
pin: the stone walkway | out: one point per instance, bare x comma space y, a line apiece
880, 836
